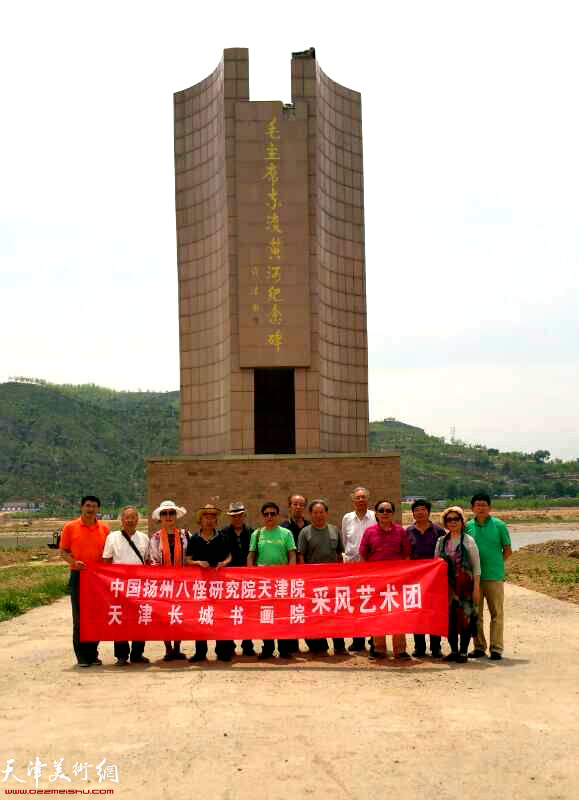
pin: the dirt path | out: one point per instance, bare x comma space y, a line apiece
345, 729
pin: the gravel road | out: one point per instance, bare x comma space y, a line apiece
340, 727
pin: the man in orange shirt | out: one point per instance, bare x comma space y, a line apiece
82, 541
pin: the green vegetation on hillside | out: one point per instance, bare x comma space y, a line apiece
59, 442
434, 468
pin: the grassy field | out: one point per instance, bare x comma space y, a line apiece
26, 586
551, 568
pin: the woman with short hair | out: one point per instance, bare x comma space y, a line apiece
386, 541
460, 552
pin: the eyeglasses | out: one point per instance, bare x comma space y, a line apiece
168, 513
454, 519
384, 511
270, 513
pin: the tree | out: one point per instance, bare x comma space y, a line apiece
541, 456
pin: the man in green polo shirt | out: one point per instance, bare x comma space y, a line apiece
272, 546
494, 545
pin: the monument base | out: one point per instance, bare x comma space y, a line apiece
192, 481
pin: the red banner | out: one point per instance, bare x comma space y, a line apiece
314, 600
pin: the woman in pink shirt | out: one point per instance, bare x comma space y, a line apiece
386, 541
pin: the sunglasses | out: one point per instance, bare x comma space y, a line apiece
453, 519
270, 513
384, 511
168, 513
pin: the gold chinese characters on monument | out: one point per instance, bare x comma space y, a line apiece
274, 246
273, 223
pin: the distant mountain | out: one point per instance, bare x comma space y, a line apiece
432, 467
60, 441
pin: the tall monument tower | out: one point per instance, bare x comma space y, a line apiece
270, 238
272, 297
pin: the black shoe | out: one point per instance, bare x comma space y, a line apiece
340, 651
495, 655
84, 663
286, 654
461, 658
419, 653
224, 657
197, 657
179, 656
248, 652
122, 662
451, 657
403, 655
355, 649
168, 656
376, 655
140, 660
477, 653
97, 662
436, 653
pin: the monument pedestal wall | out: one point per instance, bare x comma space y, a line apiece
192, 481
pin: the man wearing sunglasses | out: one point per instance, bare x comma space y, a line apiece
272, 546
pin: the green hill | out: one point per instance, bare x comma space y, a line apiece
58, 442
431, 467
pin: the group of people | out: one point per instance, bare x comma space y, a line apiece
475, 552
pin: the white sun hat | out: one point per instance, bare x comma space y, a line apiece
168, 505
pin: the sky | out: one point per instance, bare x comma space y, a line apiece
471, 160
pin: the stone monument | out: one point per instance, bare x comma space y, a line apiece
272, 294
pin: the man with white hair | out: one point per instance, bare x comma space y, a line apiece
354, 523
128, 546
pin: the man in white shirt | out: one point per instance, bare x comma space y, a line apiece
353, 526
128, 546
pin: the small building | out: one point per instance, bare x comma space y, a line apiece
20, 507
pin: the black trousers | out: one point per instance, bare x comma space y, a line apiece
359, 642
223, 647
124, 650
420, 642
229, 646
320, 645
86, 652
453, 635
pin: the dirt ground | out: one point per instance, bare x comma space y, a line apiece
339, 727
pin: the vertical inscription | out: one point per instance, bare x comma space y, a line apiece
273, 236
273, 271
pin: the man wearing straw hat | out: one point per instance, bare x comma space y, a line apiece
209, 548
167, 549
